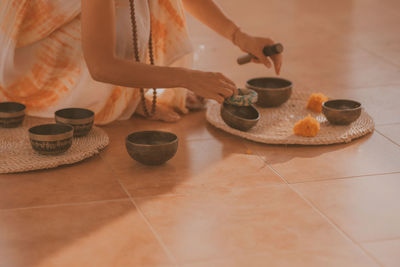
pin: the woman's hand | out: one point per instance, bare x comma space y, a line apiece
254, 46
211, 85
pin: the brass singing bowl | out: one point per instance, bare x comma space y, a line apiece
272, 92
151, 147
79, 118
12, 114
242, 118
341, 111
51, 139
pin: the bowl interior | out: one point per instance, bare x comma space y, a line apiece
245, 112
50, 129
269, 83
75, 113
151, 138
11, 107
342, 104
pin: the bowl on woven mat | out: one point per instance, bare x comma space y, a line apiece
51, 139
12, 114
272, 92
242, 118
341, 111
79, 118
151, 147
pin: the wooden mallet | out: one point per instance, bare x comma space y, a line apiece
267, 51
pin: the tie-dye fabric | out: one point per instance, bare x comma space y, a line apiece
42, 65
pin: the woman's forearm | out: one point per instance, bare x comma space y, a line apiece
208, 12
138, 75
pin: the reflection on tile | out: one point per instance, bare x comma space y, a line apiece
273, 220
351, 68
198, 164
106, 234
225, 174
372, 154
365, 207
386, 252
69, 184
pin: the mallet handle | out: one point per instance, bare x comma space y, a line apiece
267, 51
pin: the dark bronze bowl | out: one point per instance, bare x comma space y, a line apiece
51, 139
242, 118
341, 111
151, 147
12, 114
79, 118
272, 92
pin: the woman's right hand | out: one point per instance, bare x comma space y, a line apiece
211, 85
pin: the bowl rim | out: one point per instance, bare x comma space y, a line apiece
252, 106
347, 109
290, 86
127, 141
51, 137
12, 114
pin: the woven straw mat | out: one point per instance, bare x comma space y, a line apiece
17, 155
276, 124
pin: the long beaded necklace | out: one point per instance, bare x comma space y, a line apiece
136, 50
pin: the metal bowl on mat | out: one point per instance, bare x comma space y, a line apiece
272, 92
51, 139
12, 114
79, 118
341, 111
242, 118
151, 147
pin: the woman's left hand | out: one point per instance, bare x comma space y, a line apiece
254, 46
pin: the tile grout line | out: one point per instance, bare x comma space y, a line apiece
164, 247
68, 204
346, 177
325, 217
380, 240
334, 225
160, 241
321, 180
387, 138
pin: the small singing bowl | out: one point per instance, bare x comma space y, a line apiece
11, 114
341, 111
242, 118
79, 118
272, 92
151, 147
51, 139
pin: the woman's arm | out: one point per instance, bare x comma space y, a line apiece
98, 43
211, 15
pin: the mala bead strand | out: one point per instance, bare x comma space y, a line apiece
136, 52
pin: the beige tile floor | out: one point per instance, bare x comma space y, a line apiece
223, 201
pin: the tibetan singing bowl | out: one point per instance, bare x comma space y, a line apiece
51, 139
242, 118
151, 147
79, 118
11, 114
341, 111
272, 92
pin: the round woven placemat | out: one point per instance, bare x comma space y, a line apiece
276, 124
17, 155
